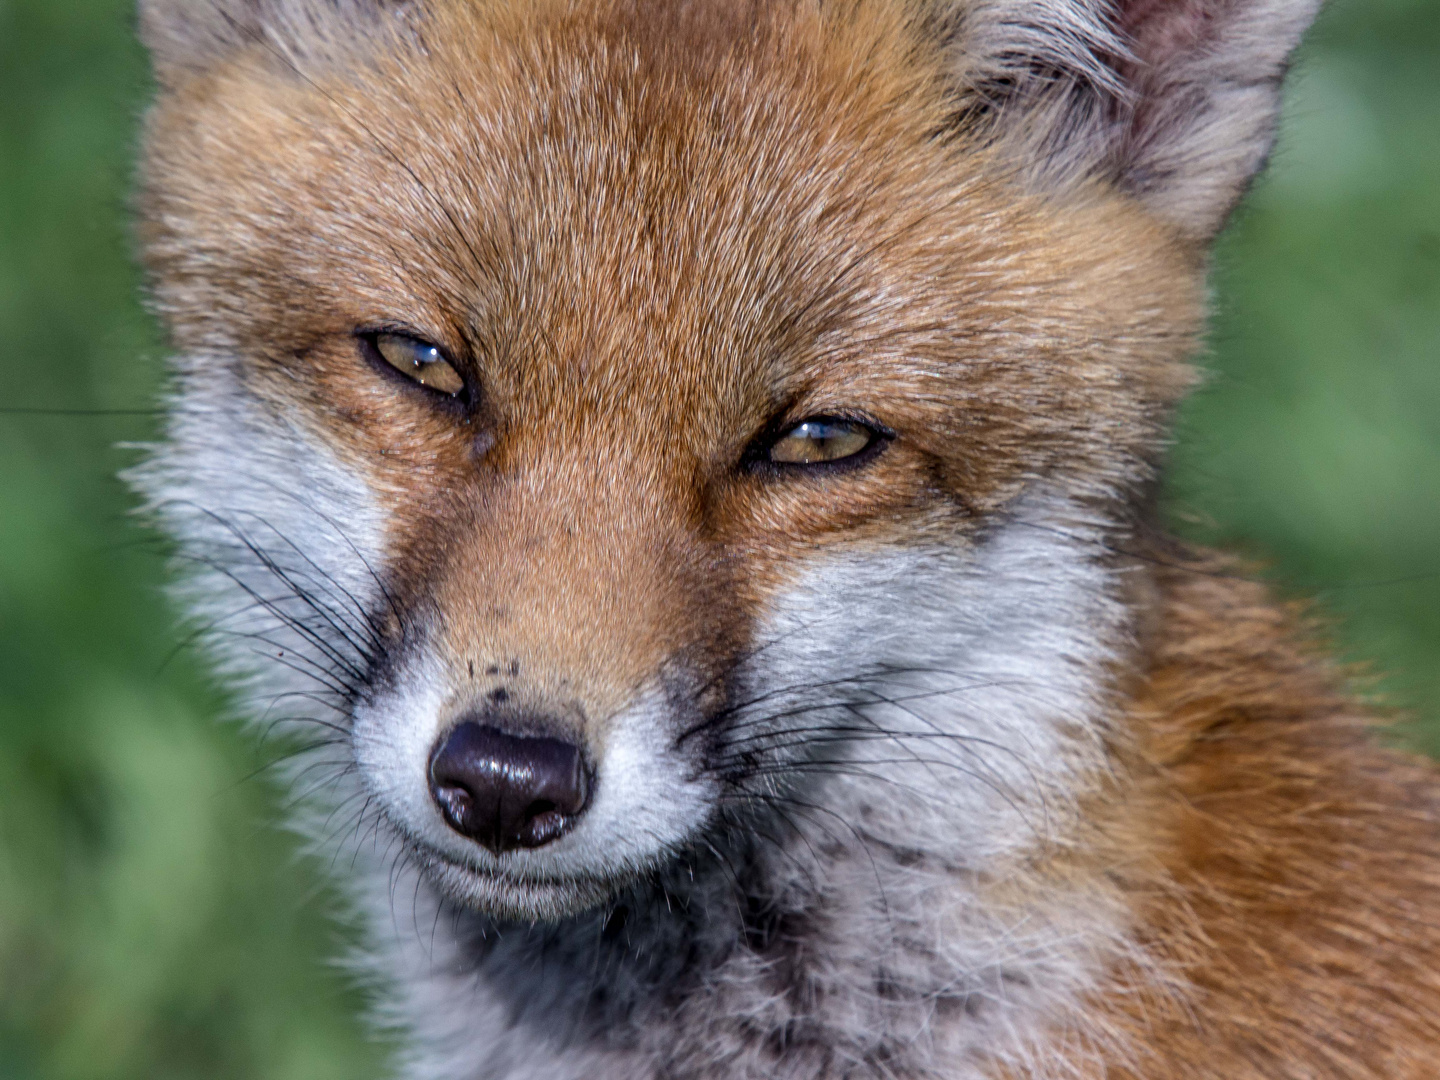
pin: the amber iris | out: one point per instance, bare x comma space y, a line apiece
821, 440
420, 360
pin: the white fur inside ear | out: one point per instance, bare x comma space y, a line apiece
1175, 101
191, 35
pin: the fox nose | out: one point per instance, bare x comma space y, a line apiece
507, 791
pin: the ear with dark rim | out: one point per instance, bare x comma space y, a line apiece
188, 36
1174, 101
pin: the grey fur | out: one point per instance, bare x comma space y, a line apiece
191, 35
1177, 105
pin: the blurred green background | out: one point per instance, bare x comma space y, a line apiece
154, 921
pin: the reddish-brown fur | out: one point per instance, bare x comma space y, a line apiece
1283, 859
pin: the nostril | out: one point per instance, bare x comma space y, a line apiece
507, 791
456, 803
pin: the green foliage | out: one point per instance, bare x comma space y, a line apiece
154, 922
1315, 445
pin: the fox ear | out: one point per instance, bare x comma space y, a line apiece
1174, 101
186, 36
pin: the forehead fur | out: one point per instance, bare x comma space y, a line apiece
715, 207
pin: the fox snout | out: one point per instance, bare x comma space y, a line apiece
558, 645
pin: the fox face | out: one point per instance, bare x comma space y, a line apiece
669, 447
734, 340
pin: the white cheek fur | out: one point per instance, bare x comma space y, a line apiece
281, 545
972, 680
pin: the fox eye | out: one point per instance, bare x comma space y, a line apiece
421, 361
822, 440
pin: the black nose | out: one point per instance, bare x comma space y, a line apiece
507, 791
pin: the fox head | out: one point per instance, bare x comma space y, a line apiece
639, 433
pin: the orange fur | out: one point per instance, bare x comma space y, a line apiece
1288, 857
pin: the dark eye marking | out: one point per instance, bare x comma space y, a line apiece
417, 359
819, 442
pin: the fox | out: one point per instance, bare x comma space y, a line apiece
685, 473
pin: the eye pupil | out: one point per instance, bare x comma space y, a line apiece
421, 361
821, 440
